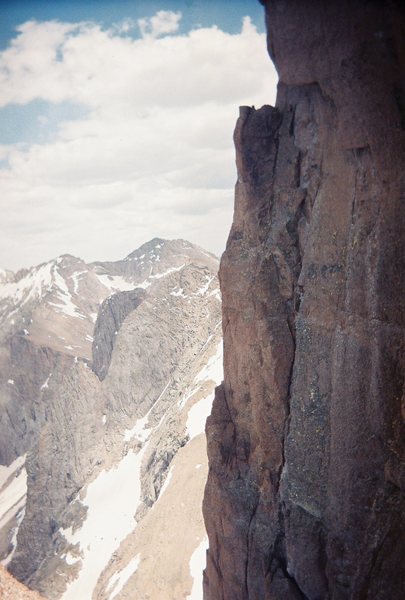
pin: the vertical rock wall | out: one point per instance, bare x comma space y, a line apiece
305, 495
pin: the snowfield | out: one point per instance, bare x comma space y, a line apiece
112, 500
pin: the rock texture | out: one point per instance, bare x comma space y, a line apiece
11, 589
305, 495
170, 530
112, 314
126, 358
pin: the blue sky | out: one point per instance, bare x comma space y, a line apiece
226, 14
37, 120
116, 122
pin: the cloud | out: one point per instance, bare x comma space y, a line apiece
25, 62
163, 22
152, 155
124, 26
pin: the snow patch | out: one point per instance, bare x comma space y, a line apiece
166, 482
165, 273
69, 558
144, 284
197, 565
13, 542
178, 291
213, 370
76, 278
66, 305
46, 382
216, 293
183, 401
139, 430
115, 283
119, 579
11, 381
115, 492
6, 472
203, 290
33, 285
13, 494
198, 414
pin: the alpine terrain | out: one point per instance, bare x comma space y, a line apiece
107, 374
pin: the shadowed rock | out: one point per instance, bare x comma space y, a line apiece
110, 317
305, 495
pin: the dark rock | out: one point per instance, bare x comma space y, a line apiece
305, 496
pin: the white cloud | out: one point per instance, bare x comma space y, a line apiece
24, 65
153, 156
124, 26
163, 22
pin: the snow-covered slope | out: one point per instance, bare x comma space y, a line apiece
104, 452
13, 497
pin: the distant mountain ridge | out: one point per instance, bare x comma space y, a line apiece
104, 366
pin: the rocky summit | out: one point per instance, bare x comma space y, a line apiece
107, 376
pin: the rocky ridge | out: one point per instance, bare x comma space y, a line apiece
305, 495
121, 389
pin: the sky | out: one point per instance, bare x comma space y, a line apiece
116, 122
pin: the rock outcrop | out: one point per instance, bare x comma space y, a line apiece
11, 589
305, 495
112, 313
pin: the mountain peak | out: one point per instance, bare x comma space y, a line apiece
98, 373
159, 243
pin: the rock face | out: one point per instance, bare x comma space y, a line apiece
305, 495
112, 314
11, 589
98, 440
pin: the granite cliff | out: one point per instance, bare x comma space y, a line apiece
305, 494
